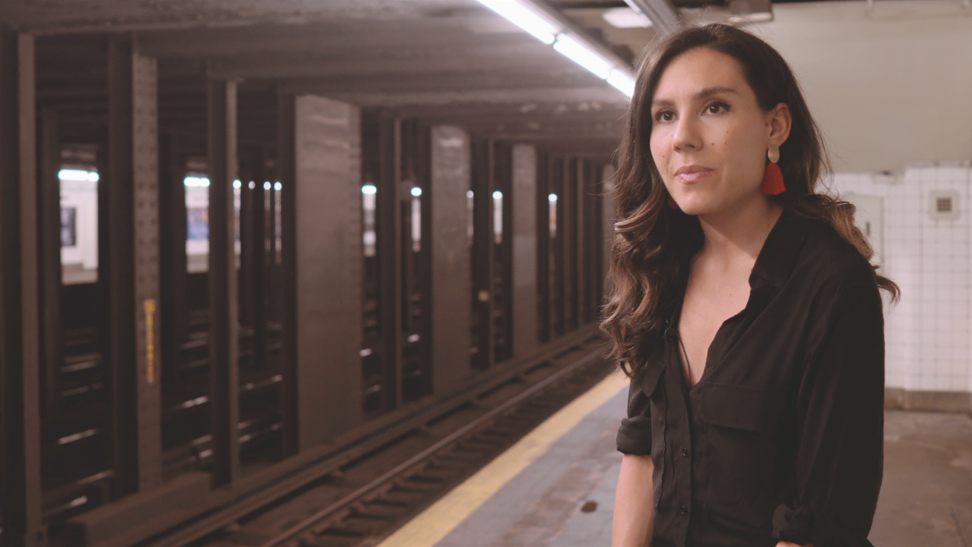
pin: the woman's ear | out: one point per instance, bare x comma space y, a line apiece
779, 123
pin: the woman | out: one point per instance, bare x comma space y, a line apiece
744, 309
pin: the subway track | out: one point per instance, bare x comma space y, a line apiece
364, 500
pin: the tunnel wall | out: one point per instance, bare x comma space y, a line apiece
929, 255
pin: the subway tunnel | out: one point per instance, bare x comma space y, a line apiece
268, 264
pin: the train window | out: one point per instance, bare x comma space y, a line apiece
197, 221
416, 219
368, 203
498, 216
79, 224
552, 198
278, 231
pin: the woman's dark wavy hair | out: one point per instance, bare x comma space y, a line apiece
653, 243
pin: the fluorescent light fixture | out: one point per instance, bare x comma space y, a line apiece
416, 191
252, 185
196, 182
552, 198
369, 189
237, 184
497, 195
626, 18
526, 18
277, 186
622, 81
751, 18
267, 185
582, 55
78, 175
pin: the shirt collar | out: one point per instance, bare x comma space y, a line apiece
780, 250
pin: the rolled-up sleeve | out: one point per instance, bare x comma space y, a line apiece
839, 462
634, 435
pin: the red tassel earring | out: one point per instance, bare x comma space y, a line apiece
773, 177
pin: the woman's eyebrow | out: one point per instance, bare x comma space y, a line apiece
704, 94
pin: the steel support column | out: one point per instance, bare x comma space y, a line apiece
581, 197
286, 156
451, 280
607, 224
223, 294
389, 250
133, 268
523, 200
20, 494
483, 263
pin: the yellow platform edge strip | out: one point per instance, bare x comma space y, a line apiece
435, 523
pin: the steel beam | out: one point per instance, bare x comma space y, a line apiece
20, 497
223, 294
581, 234
389, 254
543, 245
286, 165
523, 200
49, 240
451, 280
483, 262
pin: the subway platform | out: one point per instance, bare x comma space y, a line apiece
555, 487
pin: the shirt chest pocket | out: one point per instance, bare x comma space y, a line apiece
742, 442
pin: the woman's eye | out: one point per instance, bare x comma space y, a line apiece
715, 108
664, 116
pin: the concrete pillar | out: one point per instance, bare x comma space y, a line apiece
327, 163
451, 276
525, 299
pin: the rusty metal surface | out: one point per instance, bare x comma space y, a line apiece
451, 277
329, 275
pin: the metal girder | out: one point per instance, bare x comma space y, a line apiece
663, 14
20, 446
223, 295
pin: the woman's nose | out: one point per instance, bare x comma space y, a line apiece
687, 135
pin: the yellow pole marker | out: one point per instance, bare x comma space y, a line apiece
149, 306
437, 521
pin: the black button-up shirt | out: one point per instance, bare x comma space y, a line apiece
782, 437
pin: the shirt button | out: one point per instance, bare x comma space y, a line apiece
683, 510
684, 453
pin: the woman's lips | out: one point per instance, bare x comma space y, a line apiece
693, 176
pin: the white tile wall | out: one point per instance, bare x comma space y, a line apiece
928, 331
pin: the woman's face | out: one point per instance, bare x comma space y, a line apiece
709, 137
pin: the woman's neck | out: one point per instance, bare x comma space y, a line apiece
737, 235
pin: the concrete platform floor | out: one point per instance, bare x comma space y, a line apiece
556, 487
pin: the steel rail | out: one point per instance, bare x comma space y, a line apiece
389, 476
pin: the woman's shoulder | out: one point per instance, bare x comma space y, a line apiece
831, 262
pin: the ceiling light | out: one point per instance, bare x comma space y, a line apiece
526, 18
582, 55
626, 18
622, 81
